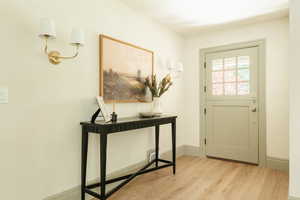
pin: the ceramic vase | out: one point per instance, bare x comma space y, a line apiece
156, 105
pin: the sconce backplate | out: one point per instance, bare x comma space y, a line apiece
54, 57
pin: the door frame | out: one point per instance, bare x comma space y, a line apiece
261, 45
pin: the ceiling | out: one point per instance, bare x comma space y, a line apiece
188, 16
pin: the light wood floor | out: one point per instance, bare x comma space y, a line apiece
207, 179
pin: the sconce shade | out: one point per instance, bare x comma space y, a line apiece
47, 28
77, 37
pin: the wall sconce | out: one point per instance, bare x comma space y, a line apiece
174, 68
47, 31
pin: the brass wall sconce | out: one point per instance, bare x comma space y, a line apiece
48, 32
174, 68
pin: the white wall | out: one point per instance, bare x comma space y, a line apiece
276, 35
294, 70
39, 128
40, 135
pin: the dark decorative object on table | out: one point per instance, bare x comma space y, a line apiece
95, 115
114, 117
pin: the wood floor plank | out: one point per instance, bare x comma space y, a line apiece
207, 179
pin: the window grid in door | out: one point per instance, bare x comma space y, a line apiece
231, 76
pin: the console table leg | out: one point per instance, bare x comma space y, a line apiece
156, 144
84, 151
103, 151
174, 145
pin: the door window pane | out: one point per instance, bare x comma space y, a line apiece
243, 88
217, 64
243, 75
243, 61
217, 77
230, 88
217, 89
230, 76
230, 63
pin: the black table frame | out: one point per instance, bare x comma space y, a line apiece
124, 125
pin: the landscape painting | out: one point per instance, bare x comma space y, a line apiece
123, 70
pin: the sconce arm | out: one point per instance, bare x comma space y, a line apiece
54, 56
46, 45
71, 57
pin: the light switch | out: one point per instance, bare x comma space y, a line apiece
3, 95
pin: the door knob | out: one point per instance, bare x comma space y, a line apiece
253, 109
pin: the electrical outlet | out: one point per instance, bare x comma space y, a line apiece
3, 95
152, 156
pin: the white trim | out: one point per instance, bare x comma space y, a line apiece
294, 198
75, 192
277, 163
187, 150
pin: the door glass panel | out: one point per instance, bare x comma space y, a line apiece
243, 88
230, 76
243, 75
217, 89
217, 64
230, 63
243, 61
217, 77
230, 88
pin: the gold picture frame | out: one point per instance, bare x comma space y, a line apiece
123, 69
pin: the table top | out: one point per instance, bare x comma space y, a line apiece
126, 120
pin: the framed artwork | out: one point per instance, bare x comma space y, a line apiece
123, 70
103, 109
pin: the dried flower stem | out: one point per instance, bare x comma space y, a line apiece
157, 90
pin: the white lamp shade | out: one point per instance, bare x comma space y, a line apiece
77, 37
47, 28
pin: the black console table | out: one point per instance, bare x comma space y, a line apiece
125, 124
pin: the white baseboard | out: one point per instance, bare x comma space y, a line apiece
279, 164
188, 150
75, 193
294, 198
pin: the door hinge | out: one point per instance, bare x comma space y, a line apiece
204, 111
204, 65
204, 88
205, 141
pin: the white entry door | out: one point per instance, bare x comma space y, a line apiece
231, 105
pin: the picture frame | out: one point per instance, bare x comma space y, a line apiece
123, 70
103, 109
